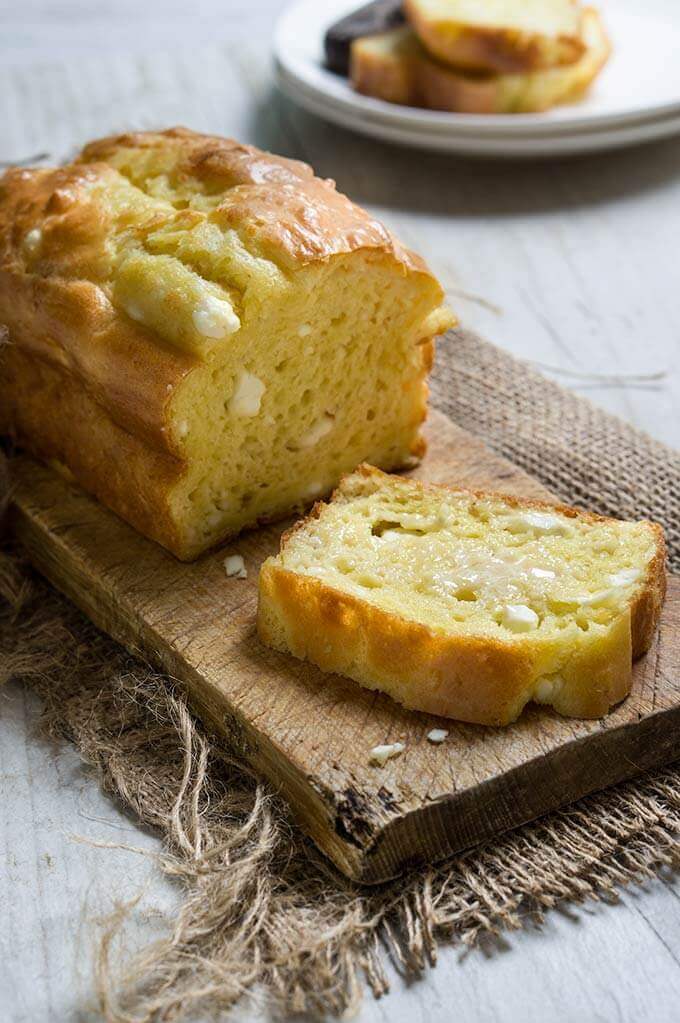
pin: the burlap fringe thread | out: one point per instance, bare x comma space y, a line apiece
262, 910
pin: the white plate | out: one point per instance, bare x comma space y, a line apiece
636, 99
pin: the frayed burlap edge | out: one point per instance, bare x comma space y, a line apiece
261, 909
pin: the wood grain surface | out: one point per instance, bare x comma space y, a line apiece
311, 733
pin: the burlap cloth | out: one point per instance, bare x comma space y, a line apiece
261, 908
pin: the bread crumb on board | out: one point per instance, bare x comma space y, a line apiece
379, 755
235, 567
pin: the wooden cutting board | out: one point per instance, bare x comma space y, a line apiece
311, 733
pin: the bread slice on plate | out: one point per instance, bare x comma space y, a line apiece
394, 66
464, 604
499, 35
206, 336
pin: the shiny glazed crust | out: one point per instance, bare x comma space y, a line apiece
470, 679
85, 386
481, 48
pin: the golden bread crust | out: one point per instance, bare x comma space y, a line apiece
646, 609
66, 428
473, 679
289, 215
495, 50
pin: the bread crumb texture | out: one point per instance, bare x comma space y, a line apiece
466, 604
301, 327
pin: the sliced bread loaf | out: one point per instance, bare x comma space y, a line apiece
465, 604
499, 35
395, 67
206, 336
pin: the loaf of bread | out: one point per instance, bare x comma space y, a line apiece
462, 604
206, 336
499, 36
394, 66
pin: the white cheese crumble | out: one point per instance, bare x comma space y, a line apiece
519, 618
381, 754
437, 735
426, 523
594, 599
304, 330
215, 318
134, 312
234, 565
247, 396
542, 523
547, 688
542, 573
319, 430
626, 577
182, 428
33, 239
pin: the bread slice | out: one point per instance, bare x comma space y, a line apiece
462, 604
207, 336
499, 35
393, 66
374, 17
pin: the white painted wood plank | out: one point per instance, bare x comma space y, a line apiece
53, 887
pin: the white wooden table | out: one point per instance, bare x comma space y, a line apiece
573, 265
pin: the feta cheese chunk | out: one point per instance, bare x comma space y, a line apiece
540, 523
319, 430
234, 566
626, 577
215, 318
437, 735
381, 754
32, 240
519, 618
542, 573
247, 396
